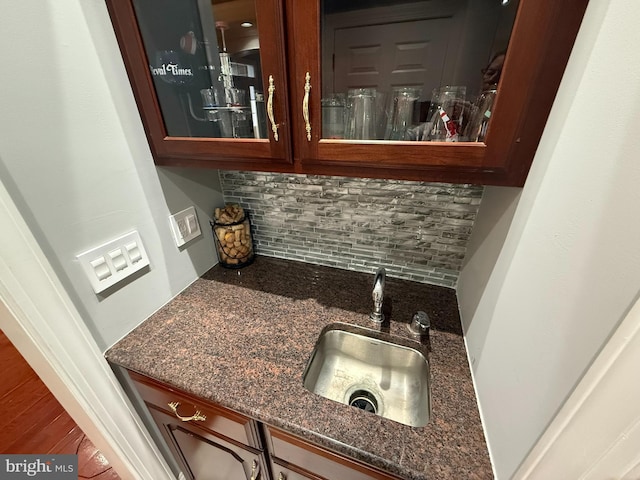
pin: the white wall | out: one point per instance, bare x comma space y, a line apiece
75, 160
567, 263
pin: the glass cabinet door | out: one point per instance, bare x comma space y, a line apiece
412, 71
213, 89
449, 90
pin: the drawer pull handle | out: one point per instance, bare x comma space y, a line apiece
196, 417
254, 470
274, 125
305, 105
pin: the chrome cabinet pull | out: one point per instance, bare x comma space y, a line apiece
281, 476
196, 417
305, 105
272, 119
254, 470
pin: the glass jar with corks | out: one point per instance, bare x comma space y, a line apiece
232, 235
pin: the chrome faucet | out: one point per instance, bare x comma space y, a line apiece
378, 296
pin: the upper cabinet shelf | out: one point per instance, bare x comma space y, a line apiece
435, 90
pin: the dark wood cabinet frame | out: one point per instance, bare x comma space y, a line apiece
543, 36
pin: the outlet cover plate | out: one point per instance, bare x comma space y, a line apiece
185, 226
113, 261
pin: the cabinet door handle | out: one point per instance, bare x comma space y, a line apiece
197, 417
272, 119
305, 105
281, 476
254, 470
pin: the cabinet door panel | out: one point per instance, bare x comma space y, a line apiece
205, 456
405, 55
202, 81
537, 34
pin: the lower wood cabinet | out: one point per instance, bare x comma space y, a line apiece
205, 454
208, 442
213, 443
297, 459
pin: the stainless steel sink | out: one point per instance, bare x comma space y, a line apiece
370, 373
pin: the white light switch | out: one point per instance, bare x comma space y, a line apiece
192, 224
100, 268
113, 261
118, 260
185, 226
133, 251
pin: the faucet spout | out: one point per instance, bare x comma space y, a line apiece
378, 295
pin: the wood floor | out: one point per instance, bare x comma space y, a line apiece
33, 422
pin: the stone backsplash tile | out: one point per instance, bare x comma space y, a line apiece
416, 230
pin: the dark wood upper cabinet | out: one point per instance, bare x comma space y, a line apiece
377, 65
171, 52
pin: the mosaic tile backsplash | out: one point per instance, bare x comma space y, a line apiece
416, 230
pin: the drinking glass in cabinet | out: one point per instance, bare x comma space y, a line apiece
204, 58
476, 129
448, 114
401, 112
361, 114
333, 116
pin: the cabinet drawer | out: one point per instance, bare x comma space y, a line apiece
216, 419
283, 473
290, 450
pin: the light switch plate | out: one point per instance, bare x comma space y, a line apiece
185, 226
113, 261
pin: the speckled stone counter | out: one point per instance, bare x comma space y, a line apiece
242, 338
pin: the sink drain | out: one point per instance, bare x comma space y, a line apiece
364, 401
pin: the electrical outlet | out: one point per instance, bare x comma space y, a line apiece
185, 226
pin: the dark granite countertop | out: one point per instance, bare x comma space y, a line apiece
242, 338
